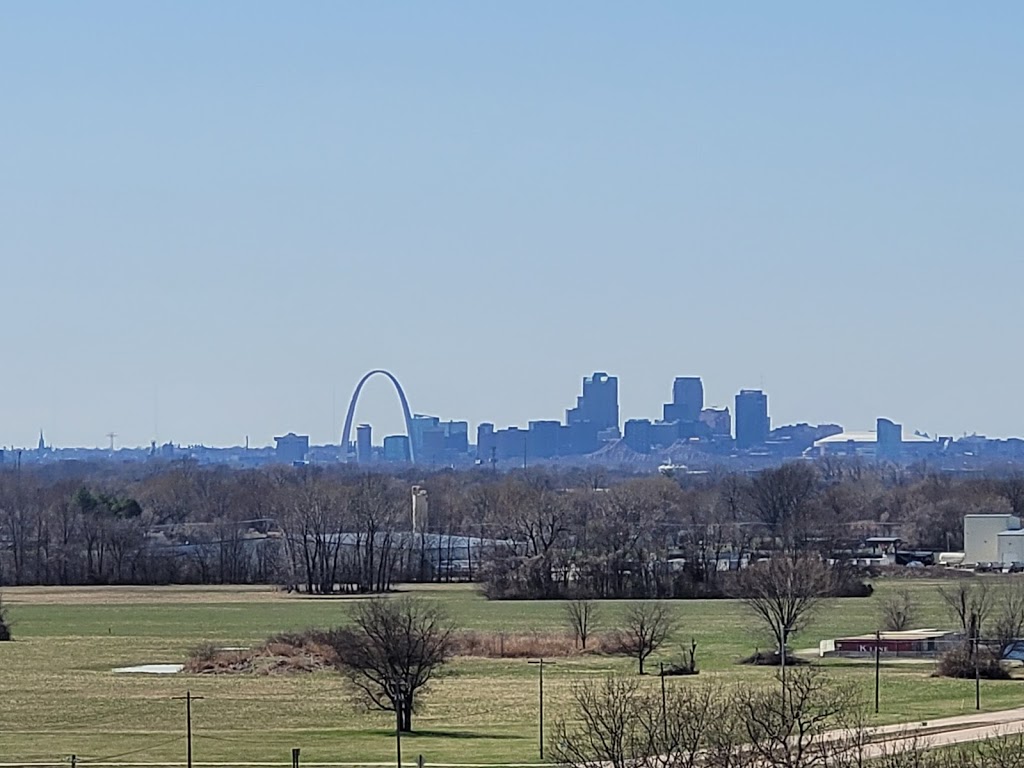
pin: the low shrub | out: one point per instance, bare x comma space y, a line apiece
772, 659
959, 662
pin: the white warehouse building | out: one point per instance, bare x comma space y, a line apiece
993, 539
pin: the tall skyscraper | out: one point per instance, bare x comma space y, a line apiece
427, 438
889, 439
364, 444
752, 422
599, 404
687, 400
486, 443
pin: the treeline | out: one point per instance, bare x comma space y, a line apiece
531, 534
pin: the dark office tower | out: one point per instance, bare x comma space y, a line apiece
364, 444
599, 404
752, 422
688, 394
687, 402
542, 439
396, 449
511, 444
485, 441
889, 436
637, 435
456, 436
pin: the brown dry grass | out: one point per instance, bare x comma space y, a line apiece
310, 651
522, 645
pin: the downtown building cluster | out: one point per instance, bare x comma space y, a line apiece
591, 428
689, 435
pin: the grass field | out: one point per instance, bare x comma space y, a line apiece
60, 697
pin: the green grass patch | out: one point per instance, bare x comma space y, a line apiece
60, 696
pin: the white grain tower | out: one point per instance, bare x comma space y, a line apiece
420, 514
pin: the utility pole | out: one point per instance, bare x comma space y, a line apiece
976, 631
878, 658
188, 698
540, 668
664, 702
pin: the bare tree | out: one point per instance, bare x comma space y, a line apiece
1007, 625
648, 625
792, 730
898, 610
784, 592
581, 616
609, 731
780, 498
396, 649
618, 724
1012, 489
968, 603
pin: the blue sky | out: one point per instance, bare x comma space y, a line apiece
214, 217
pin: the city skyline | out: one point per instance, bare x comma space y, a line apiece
216, 218
680, 388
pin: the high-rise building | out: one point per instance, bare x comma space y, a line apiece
364, 444
599, 403
486, 444
396, 449
427, 438
889, 439
719, 421
456, 436
291, 448
752, 422
637, 435
542, 439
688, 395
511, 444
664, 433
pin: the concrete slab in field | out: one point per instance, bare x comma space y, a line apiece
150, 669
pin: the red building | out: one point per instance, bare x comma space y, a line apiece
914, 642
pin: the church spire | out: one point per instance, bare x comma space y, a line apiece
42, 442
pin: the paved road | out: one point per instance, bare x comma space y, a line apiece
948, 731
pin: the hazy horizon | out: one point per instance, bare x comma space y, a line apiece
216, 217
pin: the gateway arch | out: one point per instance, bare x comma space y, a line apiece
346, 434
